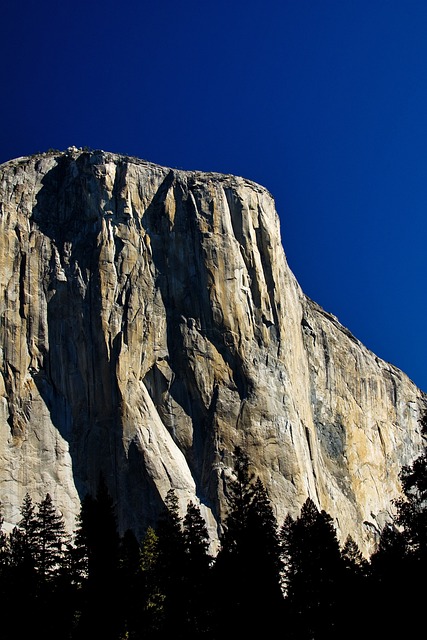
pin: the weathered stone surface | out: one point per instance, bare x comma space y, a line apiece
150, 323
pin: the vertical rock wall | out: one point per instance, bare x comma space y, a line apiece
150, 323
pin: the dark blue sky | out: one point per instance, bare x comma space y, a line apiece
324, 102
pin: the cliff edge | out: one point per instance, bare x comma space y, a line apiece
150, 323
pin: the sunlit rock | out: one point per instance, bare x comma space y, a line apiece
150, 323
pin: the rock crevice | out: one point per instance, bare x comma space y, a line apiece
150, 323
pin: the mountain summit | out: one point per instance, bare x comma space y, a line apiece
150, 324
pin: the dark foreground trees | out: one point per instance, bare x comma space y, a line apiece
295, 581
314, 574
246, 574
34, 573
96, 568
398, 567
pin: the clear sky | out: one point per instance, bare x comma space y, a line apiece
324, 102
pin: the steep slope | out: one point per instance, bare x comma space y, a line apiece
150, 323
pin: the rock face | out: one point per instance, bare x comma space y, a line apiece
150, 323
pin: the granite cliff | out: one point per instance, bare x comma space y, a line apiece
150, 323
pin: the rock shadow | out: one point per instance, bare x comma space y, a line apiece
78, 379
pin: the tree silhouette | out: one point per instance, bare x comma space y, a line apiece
412, 507
247, 565
37, 572
50, 540
131, 588
7, 592
170, 565
55, 600
355, 588
297, 578
265, 552
353, 559
23, 539
4, 546
197, 574
23, 576
96, 562
152, 600
313, 573
196, 538
400, 562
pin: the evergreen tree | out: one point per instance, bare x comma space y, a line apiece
97, 539
25, 536
198, 596
96, 567
131, 586
6, 593
84, 539
262, 524
4, 553
55, 602
239, 494
171, 565
355, 587
412, 507
50, 540
149, 550
23, 551
313, 574
152, 601
23, 578
400, 561
286, 535
353, 559
171, 544
196, 538
265, 552
389, 586
247, 567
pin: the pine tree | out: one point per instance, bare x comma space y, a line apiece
96, 556
356, 586
131, 589
23, 549
27, 527
171, 565
286, 535
353, 558
196, 537
152, 601
313, 573
247, 567
55, 601
84, 539
196, 583
50, 540
170, 544
6, 597
263, 528
389, 586
4, 552
412, 506
399, 564
23, 583
96, 566
239, 494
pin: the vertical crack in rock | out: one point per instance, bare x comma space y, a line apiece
150, 324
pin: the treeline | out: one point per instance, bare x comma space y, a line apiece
294, 581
